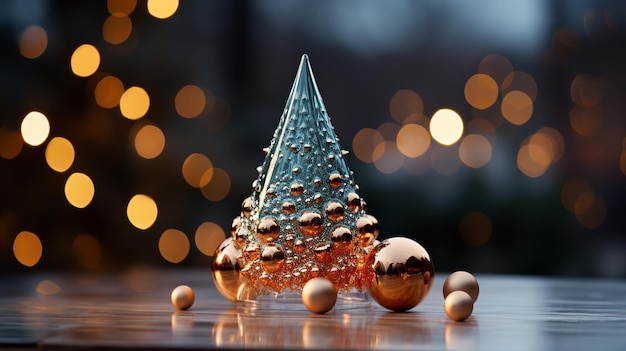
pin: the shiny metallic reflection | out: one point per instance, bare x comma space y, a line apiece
461, 335
182, 323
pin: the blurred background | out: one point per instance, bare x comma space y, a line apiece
492, 132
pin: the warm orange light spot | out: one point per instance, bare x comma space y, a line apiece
218, 187
413, 140
364, 143
87, 250
585, 120
446, 126
35, 128
476, 228
11, 143
197, 170
149, 141
590, 209
27, 248
556, 145
47, 287
208, 238
59, 154
108, 91
404, 103
174, 245
134, 103
475, 150
571, 191
532, 160
33, 42
190, 101
79, 190
587, 90
481, 91
497, 67
121, 7
117, 28
162, 9
85, 60
517, 107
142, 211
388, 157
520, 81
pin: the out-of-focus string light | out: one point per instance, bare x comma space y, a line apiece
134, 103
585, 121
218, 187
481, 91
142, 211
590, 209
208, 237
116, 29
404, 103
33, 42
85, 60
162, 9
47, 287
446, 126
364, 143
520, 81
476, 228
475, 150
149, 141
121, 7
571, 190
587, 90
79, 190
11, 143
197, 170
190, 101
60, 154
517, 107
413, 140
87, 250
388, 158
174, 245
35, 128
496, 66
108, 91
27, 248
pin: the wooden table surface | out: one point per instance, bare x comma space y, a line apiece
133, 310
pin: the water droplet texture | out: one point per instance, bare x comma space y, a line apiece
302, 218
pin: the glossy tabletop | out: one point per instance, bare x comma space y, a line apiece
133, 310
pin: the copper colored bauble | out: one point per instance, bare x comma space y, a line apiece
458, 305
400, 273
182, 297
319, 295
225, 269
461, 280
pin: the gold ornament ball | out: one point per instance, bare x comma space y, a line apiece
225, 269
182, 297
458, 305
319, 295
461, 280
399, 273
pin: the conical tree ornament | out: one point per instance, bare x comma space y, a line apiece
304, 218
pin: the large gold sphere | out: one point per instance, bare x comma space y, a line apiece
400, 273
225, 269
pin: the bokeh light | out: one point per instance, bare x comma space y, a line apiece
134, 103
85, 60
116, 29
121, 7
190, 101
587, 90
481, 91
149, 141
208, 237
496, 66
517, 107
405, 103
475, 150
585, 120
27, 248
520, 81
60, 154
476, 228
218, 187
142, 211
364, 143
87, 250
47, 287
174, 245
571, 191
388, 158
108, 91
413, 140
35, 128
33, 42
79, 190
590, 209
197, 170
11, 143
533, 160
446, 126
162, 9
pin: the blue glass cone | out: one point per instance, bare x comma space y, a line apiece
304, 217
